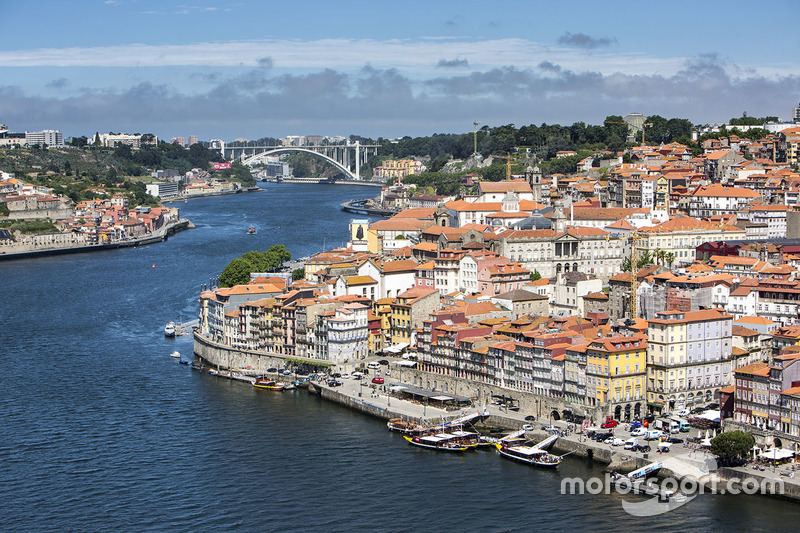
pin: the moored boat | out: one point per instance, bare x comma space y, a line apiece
169, 329
404, 426
268, 384
175, 355
445, 442
530, 455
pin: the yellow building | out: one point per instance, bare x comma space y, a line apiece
616, 374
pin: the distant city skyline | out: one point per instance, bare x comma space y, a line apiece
254, 69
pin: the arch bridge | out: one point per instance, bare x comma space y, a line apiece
347, 158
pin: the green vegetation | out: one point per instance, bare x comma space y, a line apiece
3, 209
732, 446
238, 172
238, 271
298, 274
535, 275
751, 121
30, 227
73, 172
320, 364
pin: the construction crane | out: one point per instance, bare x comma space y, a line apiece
508, 159
634, 236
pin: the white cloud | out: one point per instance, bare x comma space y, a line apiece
414, 57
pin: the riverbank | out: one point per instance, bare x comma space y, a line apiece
27, 250
188, 197
682, 463
323, 181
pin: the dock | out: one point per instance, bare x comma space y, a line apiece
361, 207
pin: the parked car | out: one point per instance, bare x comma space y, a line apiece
639, 432
383, 362
374, 365
378, 380
617, 442
636, 424
335, 383
336, 375
609, 423
287, 372
357, 375
675, 440
643, 448
530, 418
527, 427
272, 370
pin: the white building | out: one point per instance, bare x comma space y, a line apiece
49, 138
347, 333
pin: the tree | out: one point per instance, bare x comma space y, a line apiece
536, 275
670, 258
626, 264
298, 273
732, 446
236, 273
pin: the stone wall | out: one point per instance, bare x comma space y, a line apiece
529, 404
53, 214
226, 358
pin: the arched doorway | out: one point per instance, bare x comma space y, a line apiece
628, 412
637, 410
617, 412
554, 415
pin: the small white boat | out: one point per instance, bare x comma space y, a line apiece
169, 329
175, 355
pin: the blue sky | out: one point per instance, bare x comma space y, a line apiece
265, 68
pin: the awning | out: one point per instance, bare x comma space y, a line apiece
656, 404
397, 348
710, 415
777, 454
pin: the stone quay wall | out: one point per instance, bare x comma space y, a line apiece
542, 407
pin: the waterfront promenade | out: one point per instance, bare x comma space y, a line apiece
41, 246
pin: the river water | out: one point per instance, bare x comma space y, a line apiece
101, 430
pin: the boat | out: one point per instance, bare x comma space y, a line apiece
445, 442
175, 355
268, 384
184, 362
251, 230
404, 426
169, 329
530, 455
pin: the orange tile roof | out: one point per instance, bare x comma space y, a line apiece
755, 369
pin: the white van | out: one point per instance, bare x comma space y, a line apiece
373, 365
653, 435
631, 443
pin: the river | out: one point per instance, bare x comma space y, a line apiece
101, 430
